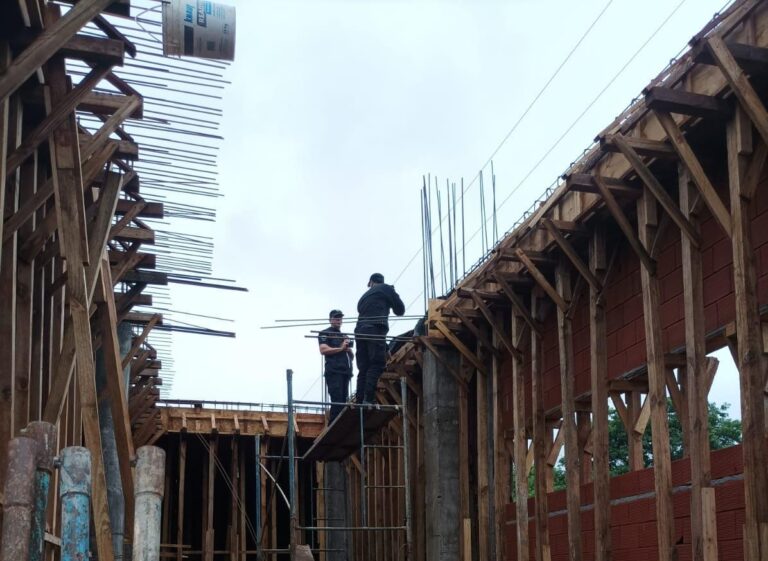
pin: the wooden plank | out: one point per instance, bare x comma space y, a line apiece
599, 385
461, 347
643, 146
111, 124
5, 60
501, 469
626, 228
521, 450
481, 337
657, 394
739, 83
116, 389
587, 183
541, 280
464, 496
643, 416
750, 358
696, 171
568, 406
657, 189
703, 544
48, 43
461, 379
208, 535
540, 441
495, 325
572, 255
686, 103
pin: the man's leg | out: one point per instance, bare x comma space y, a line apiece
336, 391
378, 362
363, 363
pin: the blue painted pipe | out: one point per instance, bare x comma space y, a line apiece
75, 493
46, 436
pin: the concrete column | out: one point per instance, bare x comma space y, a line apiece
336, 513
441, 462
150, 476
75, 493
19, 495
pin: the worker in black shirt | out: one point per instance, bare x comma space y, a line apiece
372, 326
336, 347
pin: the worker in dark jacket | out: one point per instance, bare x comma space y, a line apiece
336, 347
372, 327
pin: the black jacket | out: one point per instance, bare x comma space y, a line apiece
338, 362
373, 307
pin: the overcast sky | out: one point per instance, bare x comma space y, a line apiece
337, 109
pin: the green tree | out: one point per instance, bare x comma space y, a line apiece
723, 432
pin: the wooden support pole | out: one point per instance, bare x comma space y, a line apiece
657, 392
540, 441
208, 536
751, 361
695, 382
572, 255
520, 448
568, 406
483, 479
501, 469
464, 502
181, 494
599, 385
541, 280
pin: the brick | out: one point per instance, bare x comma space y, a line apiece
722, 254
716, 286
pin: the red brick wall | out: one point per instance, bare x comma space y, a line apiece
634, 533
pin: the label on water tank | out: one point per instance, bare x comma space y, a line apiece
199, 28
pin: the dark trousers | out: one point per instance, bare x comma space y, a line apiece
371, 360
338, 390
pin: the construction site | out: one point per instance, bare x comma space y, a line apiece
609, 296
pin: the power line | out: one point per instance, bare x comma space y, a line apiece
519, 120
580, 116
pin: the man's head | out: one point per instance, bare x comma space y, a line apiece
336, 317
376, 278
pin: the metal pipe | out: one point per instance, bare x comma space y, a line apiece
150, 475
291, 466
19, 499
75, 493
46, 436
406, 472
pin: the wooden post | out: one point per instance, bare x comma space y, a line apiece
234, 477
540, 442
501, 471
697, 441
634, 440
568, 405
180, 506
520, 448
483, 514
208, 542
464, 464
599, 384
751, 361
657, 385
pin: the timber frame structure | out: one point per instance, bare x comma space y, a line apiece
649, 255
74, 264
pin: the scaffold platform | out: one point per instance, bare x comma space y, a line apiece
342, 437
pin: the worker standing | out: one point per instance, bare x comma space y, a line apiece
336, 347
372, 327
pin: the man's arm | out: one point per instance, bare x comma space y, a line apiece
326, 350
397, 304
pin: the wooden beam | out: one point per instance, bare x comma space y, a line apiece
586, 183
686, 103
656, 188
755, 170
71, 225
461, 347
696, 394
540, 466
568, 405
501, 470
60, 112
657, 392
521, 449
483, 476
643, 146
572, 255
481, 337
517, 303
751, 360
599, 384
495, 325
626, 228
642, 418
541, 280
48, 43
696, 171
739, 83
433, 349
114, 121
752, 58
